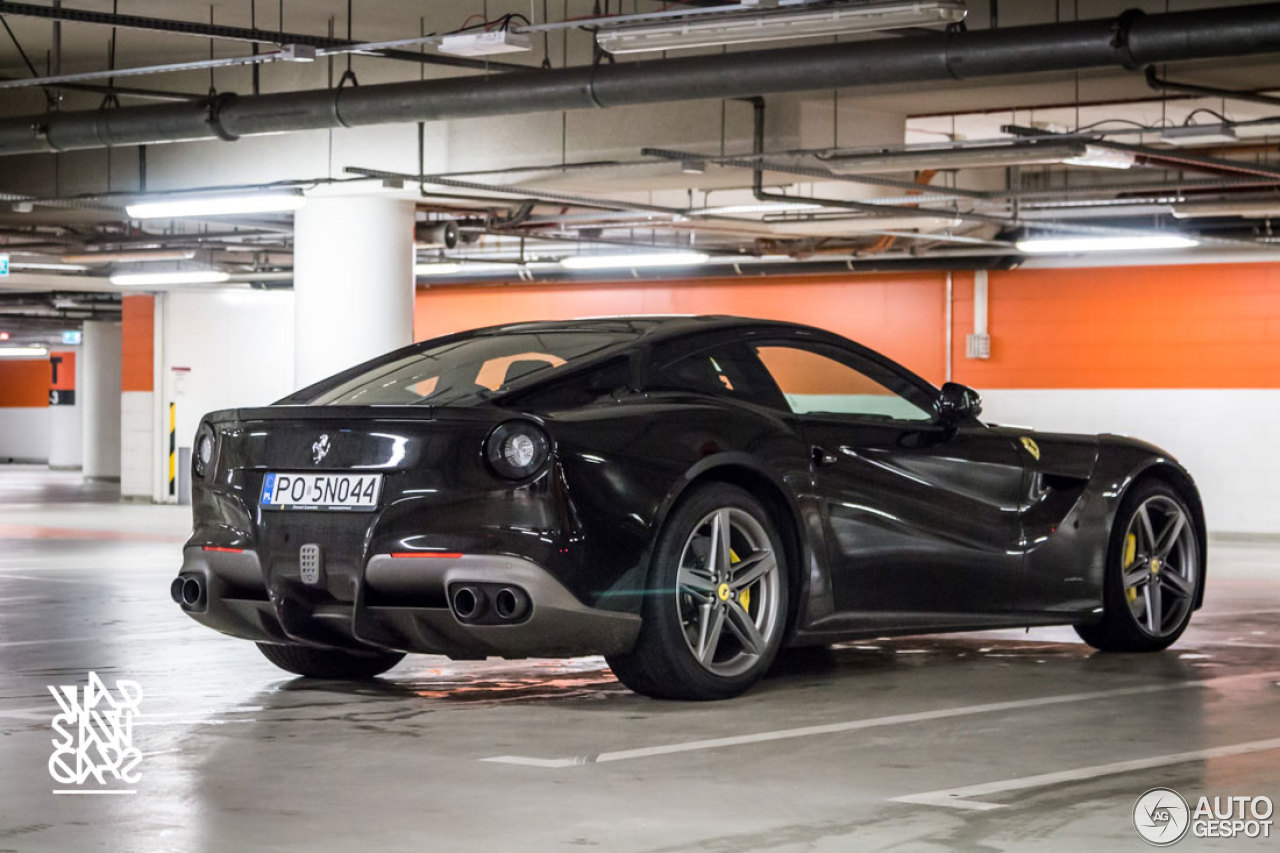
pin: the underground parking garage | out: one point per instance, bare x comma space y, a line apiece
792, 425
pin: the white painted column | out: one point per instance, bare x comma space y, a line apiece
352, 282
100, 354
65, 447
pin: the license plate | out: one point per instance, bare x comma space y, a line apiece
352, 492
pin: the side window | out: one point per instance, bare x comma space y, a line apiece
812, 382
730, 370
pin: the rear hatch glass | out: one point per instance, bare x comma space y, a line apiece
466, 371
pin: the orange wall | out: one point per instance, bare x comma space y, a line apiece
901, 315
138, 343
24, 384
1193, 326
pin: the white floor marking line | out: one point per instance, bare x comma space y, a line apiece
958, 798
869, 723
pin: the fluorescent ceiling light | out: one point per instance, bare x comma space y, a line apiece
436, 269
646, 259
155, 279
23, 352
1259, 209
1103, 158
740, 28
759, 207
973, 156
1199, 134
136, 256
1119, 243
216, 205
22, 265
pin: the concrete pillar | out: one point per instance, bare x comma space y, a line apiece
100, 354
352, 282
65, 450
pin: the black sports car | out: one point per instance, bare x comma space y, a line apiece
683, 495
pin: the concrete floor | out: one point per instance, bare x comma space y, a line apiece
998, 741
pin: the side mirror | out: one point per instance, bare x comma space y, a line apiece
956, 403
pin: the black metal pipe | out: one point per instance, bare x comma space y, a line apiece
1131, 40
1163, 85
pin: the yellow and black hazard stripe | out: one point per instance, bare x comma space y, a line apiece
173, 448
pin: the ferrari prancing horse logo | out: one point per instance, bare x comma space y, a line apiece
1031, 447
320, 449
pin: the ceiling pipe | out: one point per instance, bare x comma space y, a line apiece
1132, 40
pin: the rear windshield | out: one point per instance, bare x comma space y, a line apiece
468, 371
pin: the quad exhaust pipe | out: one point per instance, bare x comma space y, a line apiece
489, 604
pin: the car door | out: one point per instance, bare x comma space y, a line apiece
921, 518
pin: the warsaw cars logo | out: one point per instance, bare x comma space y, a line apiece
320, 449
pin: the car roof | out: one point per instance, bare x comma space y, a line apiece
645, 326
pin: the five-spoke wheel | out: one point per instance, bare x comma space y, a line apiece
716, 605
1153, 573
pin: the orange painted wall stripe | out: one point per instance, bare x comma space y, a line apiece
901, 315
1192, 326
24, 384
138, 343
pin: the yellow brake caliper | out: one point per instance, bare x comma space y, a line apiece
744, 597
1130, 554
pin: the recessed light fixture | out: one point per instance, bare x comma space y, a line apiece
216, 205
1104, 243
159, 279
23, 352
644, 259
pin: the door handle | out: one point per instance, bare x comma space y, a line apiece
821, 457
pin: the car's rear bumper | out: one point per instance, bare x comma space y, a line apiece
403, 603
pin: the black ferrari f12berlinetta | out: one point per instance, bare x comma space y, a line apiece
684, 495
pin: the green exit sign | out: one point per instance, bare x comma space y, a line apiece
4, 264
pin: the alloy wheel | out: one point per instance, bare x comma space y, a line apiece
1160, 566
728, 591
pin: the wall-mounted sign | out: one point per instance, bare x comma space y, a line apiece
4, 265
72, 337
62, 387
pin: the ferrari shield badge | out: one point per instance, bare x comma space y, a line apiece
1031, 447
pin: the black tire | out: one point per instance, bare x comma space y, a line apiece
329, 663
663, 663
1120, 629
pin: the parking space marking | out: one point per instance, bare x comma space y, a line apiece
959, 798
869, 723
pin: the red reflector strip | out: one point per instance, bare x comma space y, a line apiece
439, 554
222, 550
